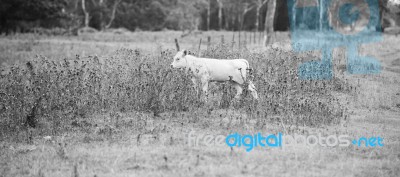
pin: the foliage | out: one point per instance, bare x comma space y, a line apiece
30, 13
153, 15
53, 94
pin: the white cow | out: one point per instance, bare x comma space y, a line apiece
207, 70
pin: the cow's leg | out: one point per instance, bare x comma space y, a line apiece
253, 90
239, 90
205, 89
194, 80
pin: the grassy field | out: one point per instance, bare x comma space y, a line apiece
109, 105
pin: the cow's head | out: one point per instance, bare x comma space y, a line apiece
179, 59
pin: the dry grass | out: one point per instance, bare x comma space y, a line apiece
125, 113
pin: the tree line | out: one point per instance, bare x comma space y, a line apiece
151, 15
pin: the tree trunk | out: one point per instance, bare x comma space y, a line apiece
239, 21
86, 14
258, 17
208, 15
260, 3
294, 17
321, 9
113, 14
233, 23
220, 6
269, 21
382, 9
245, 11
226, 19
102, 22
196, 24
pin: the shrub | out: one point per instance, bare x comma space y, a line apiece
56, 93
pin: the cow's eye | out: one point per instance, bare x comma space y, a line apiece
177, 59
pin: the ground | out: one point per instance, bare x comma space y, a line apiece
158, 145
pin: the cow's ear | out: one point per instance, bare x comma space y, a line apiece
185, 52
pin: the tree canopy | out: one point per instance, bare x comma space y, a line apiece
22, 15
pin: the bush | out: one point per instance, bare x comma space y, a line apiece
54, 93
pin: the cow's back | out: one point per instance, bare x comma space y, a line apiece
224, 70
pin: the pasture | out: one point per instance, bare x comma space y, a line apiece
110, 105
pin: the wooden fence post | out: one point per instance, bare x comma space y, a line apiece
245, 39
254, 35
239, 40
208, 42
198, 50
233, 40
177, 44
